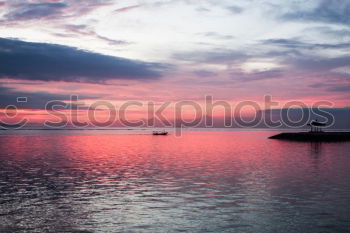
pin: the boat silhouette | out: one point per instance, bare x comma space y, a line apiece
157, 132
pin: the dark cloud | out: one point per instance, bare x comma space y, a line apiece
317, 85
112, 41
332, 87
256, 76
50, 62
73, 30
218, 56
289, 43
319, 64
17, 11
128, 8
330, 31
79, 29
328, 11
204, 73
299, 61
340, 88
282, 50
297, 44
35, 11
216, 36
235, 9
37, 100
202, 9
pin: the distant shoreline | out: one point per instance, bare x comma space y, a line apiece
172, 129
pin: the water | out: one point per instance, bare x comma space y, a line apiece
69, 181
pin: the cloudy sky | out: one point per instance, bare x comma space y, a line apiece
174, 50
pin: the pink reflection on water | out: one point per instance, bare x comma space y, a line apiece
138, 180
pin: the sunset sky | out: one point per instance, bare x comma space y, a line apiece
173, 50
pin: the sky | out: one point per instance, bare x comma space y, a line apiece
173, 50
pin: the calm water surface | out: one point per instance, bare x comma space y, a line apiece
200, 182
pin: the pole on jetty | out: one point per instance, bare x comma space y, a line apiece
316, 126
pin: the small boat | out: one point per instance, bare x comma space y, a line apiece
164, 133
316, 123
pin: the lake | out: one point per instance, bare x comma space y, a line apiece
131, 181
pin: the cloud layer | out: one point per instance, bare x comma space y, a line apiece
240, 49
50, 62
328, 11
22, 10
